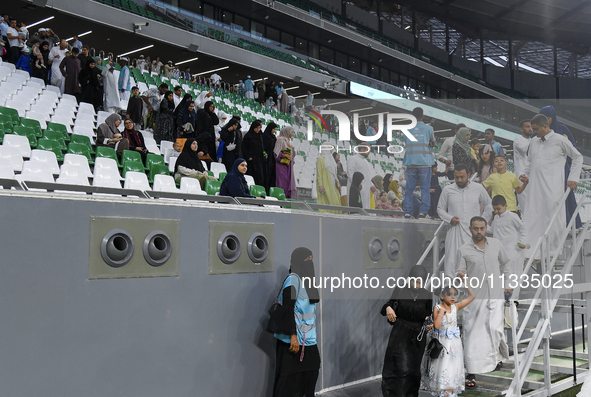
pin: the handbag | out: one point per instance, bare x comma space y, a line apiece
434, 349
285, 160
279, 314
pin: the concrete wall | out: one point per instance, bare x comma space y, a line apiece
192, 335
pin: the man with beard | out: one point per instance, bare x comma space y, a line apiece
458, 203
520, 147
484, 258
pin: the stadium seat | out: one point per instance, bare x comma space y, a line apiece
191, 186
105, 162
63, 121
59, 128
20, 142
12, 155
54, 89
208, 172
6, 171
136, 180
48, 158
172, 164
204, 165
51, 146
79, 148
217, 168
222, 176
34, 124
106, 177
12, 113
20, 108
249, 180
70, 98
211, 187
132, 166
151, 145
258, 191
35, 171
158, 169
152, 158
82, 140
39, 117
80, 181
165, 183
277, 192
55, 136
27, 132
72, 171
86, 108
130, 155
108, 152
78, 160
84, 130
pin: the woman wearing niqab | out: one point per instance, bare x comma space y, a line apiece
406, 312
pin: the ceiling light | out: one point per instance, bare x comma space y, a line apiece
188, 60
329, 41
80, 35
264, 78
138, 50
38, 22
211, 71
305, 95
291, 88
359, 110
338, 103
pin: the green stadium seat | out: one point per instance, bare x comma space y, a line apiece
158, 169
108, 152
61, 128
34, 124
210, 173
80, 148
152, 158
10, 112
136, 166
84, 140
212, 187
28, 132
222, 176
130, 155
51, 146
56, 136
277, 192
258, 191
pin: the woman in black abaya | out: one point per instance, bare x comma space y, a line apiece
406, 312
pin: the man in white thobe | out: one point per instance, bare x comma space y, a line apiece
55, 58
445, 153
458, 203
202, 98
112, 103
545, 169
484, 259
359, 163
520, 146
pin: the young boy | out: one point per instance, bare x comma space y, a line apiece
504, 183
510, 230
135, 107
176, 149
475, 147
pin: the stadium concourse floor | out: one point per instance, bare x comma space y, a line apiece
372, 388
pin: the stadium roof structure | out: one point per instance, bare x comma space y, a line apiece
535, 27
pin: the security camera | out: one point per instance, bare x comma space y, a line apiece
138, 26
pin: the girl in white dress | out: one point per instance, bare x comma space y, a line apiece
444, 376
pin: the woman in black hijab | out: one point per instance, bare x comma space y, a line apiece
231, 139
204, 131
164, 127
234, 184
269, 141
181, 106
189, 165
44, 47
298, 358
89, 81
252, 151
355, 190
406, 312
186, 118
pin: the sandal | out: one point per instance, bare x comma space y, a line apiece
470, 382
499, 366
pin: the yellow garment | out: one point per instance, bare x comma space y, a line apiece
474, 154
504, 185
331, 195
394, 187
372, 201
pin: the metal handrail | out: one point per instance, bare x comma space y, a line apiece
527, 359
431, 244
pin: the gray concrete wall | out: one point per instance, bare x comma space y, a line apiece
192, 335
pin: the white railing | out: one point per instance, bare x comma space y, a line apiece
546, 297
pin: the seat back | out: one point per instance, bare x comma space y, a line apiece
20, 142
80, 148
257, 191
277, 192
191, 186
165, 183
130, 155
217, 168
136, 180
212, 187
47, 157
13, 156
35, 171
158, 169
107, 152
132, 166
79, 160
